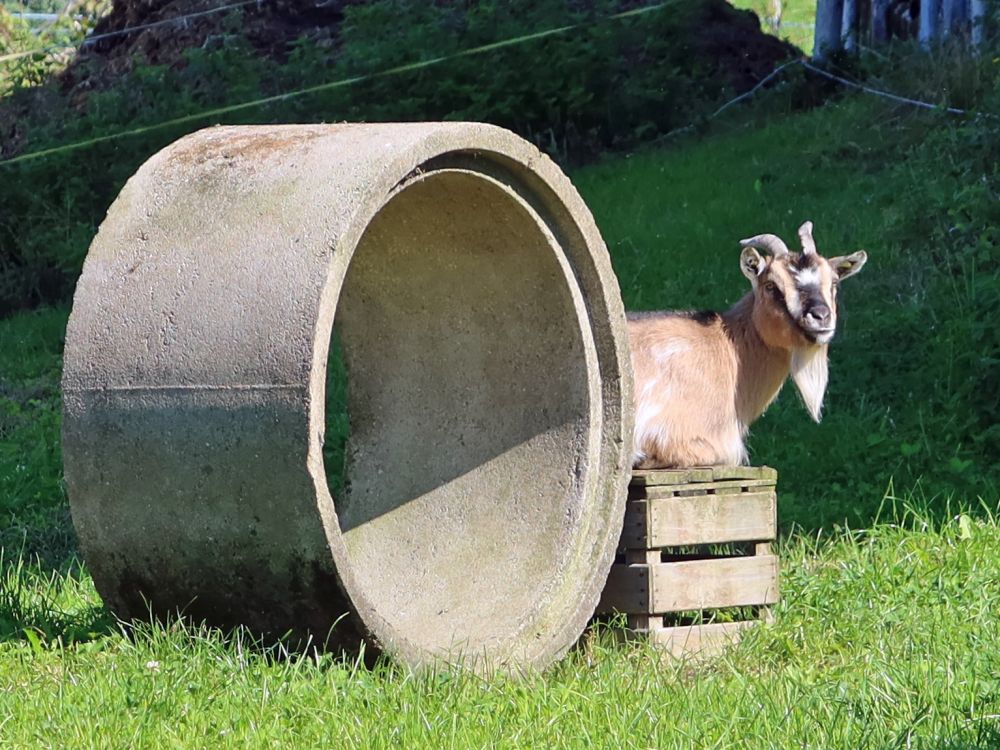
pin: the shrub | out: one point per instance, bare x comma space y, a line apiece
607, 84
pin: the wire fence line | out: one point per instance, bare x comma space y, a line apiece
735, 100
481, 49
93, 38
876, 92
804, 62
42, 23
760, 84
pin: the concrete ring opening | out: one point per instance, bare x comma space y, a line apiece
488, 392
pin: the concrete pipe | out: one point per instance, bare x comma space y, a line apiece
488, 391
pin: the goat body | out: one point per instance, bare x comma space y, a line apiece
701, 379
684, 363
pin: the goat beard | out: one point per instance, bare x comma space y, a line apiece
810, 374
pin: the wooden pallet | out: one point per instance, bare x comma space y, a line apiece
671, 511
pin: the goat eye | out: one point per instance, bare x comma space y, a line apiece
770, 286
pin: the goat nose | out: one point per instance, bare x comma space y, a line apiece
819, 314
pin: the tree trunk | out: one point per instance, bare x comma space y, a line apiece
952, 18
929, 11
849, 25
829, 20
774, 20
879, 21
978, 14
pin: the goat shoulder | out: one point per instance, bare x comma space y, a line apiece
686, 375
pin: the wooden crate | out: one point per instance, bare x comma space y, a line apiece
664, 568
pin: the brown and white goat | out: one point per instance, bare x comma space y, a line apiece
701, 379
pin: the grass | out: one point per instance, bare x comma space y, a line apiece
33, 505
886, 636
861, 172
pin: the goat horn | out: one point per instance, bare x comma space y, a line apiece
806, 237
772, 243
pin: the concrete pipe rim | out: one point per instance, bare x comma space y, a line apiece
488, 165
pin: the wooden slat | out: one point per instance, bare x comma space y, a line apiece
642, 556
647, 477
627, 590
706, 584
744, 472
700, 640
705, 519
691, 585
699, 488
655, 477
645, 622
635, 533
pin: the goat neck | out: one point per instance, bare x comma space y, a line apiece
761, 369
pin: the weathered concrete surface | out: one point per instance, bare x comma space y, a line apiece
489, 391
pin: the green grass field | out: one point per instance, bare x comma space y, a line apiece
887, 635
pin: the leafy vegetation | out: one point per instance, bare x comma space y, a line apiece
607, 84
33, 509
46, 42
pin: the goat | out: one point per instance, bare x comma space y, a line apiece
702, 378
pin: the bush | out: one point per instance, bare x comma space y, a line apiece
608, 84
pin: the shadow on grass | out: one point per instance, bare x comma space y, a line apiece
45, 609
44, 605
47, 539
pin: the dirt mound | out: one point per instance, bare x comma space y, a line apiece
744, 53
166, 28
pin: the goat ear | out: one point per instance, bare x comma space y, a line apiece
752, 264
848, 265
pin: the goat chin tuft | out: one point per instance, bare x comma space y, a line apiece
809, 370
